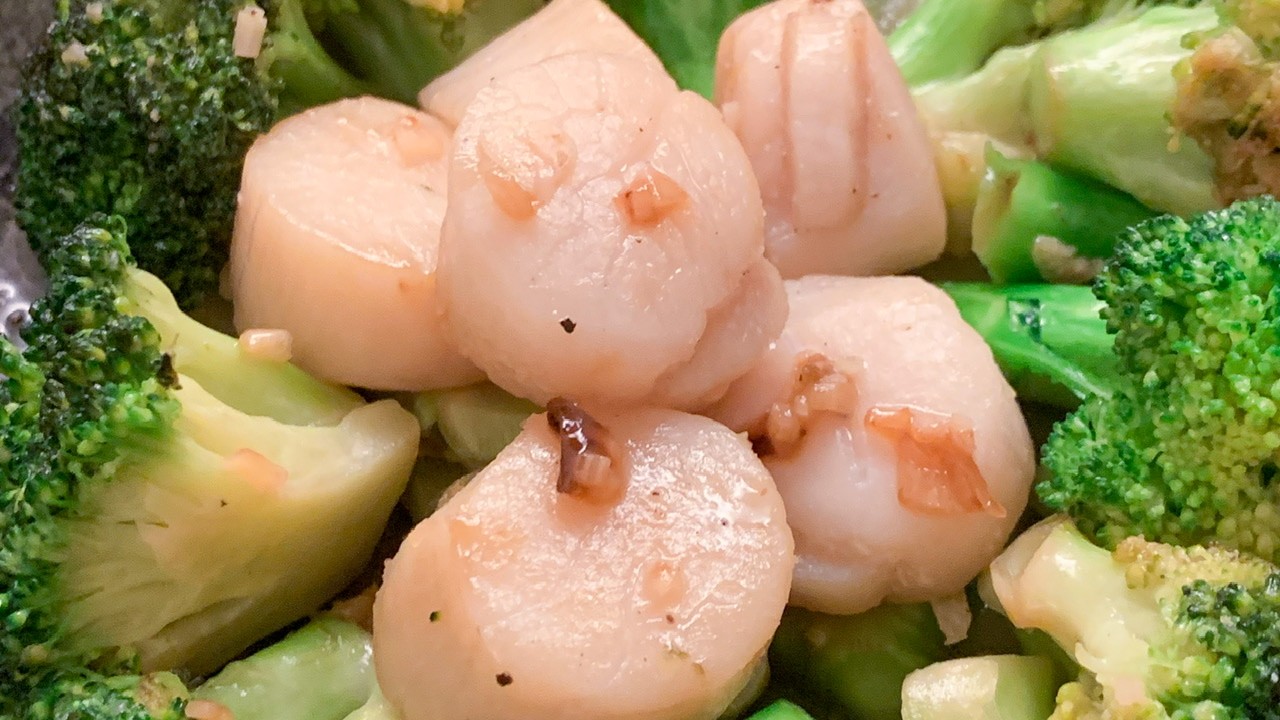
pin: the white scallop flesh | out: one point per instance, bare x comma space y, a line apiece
604, 239
517, 602
843, 159
905, 484
560, 28
336, 242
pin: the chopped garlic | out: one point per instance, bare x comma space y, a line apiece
1061, 263
75, 54
93, 11
954, 617
251, 30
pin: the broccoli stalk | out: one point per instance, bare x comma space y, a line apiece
1050, 340
857, 662
1033, 223
1159, 631
997, 687
1185, 448
167, 500
323, 671
781, 710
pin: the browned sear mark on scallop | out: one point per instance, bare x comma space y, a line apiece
590, 465
651, 198
937, 474
817, 386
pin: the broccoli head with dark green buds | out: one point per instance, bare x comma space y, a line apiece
1160, 632
1185, 448
166, 497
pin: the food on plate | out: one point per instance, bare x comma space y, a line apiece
168, 500
603, 240
845, 166
891, 434
337, 239
613, 566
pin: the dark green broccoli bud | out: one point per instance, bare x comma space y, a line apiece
1050, 340
1033, 222
1185, 449
168, 499
857, 662
1160, 632
142, 110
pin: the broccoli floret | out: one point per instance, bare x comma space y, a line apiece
1184, 450
1228, 101
166, 499
1160, 632
141, 110
1050, 340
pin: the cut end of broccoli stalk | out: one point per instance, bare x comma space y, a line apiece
944, 39
1035, 223
998, 687
782, 710
323, 671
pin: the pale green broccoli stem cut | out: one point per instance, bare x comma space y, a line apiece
323, 671
944, 39
1035, 223
1099, 101
997, 687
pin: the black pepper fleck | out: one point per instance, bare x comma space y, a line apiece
504, 679
434, 616
568, 325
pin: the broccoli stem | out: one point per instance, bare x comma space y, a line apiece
1020, 201
857, 661
1099, 101
322, 672
944, 39
308, 73
1006, 687
1049, 340
781, 710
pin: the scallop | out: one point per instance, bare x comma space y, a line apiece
898, 447
630, 566
604, 239
844, 162
562, 27
336, 240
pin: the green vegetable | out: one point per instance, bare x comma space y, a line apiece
1228, 101
944, 39
1184, 449
141, 110
684, 34
1025, 207
323, 671
998, 687
167, 500
857, 661
1049, 340
781, 710
1161, 632
478, 421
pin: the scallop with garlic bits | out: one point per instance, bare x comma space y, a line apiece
625, 567
844, 162
336, 240
895, 441
604, 232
